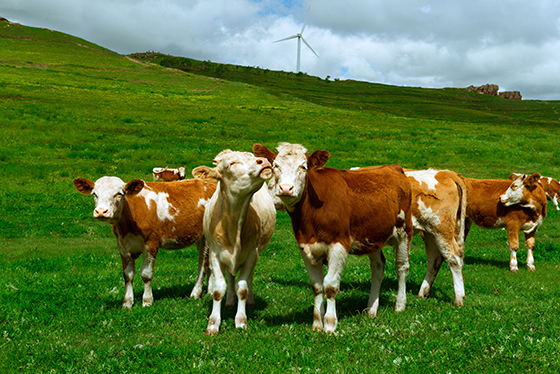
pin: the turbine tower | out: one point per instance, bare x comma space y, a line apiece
299, 40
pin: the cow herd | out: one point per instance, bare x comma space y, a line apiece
229, 212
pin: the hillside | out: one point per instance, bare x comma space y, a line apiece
441, 104
72, 108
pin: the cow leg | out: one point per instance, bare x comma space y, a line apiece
377, 265
530, 244
315, 272
435, 259
401, 243
468, 223
218, 291
230, 296
128, 275
202, 268
337, 259
251, 296
513, 241
147, 274
242, 289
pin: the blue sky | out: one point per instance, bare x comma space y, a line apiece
433, 43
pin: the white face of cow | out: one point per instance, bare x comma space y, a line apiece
109, 195
290, 170
240, 173
519, 192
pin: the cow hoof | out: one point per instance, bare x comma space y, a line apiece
531, 267
514, 270
212, 330
317, 327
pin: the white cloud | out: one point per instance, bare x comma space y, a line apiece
430, 43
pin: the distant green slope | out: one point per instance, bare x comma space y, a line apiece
70, 108
443, 104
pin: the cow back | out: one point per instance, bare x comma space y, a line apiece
344, 206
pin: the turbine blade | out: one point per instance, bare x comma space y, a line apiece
288, 38
305, 20
307, 44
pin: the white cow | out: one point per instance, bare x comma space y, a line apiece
238, 224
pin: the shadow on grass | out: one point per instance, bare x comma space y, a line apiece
351, 301
470, 260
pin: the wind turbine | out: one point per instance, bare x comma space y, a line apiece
299, 40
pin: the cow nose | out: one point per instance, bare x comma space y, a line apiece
100, 212
286, 189
262, 162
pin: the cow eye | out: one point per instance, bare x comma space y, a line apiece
119, 194
303, 168
514, 188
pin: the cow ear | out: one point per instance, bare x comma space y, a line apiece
134, 186
84, 185
532, 180
318, 159
513, 176
206, 174
260, 150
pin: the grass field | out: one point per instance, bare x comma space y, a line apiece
69, 108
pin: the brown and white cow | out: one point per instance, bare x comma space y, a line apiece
339, 212
168, 175
550, 185
516, 206
149, 216
439, 202
238, 224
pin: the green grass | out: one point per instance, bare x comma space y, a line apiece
69, 108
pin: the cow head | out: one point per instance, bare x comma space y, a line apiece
521, 191
290, 165
109, 195
240, 173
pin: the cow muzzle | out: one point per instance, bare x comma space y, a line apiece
285, 189
101, 213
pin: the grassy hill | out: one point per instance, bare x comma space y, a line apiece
70, 108
441, 104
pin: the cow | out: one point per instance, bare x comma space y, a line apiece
550, 185
439, 203
238, 224
339, 212
168, 175
516, 206
149, 216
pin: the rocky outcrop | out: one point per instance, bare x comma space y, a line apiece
510, 95
487, 89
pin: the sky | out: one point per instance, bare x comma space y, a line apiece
420, 43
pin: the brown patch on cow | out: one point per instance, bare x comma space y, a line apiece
217, 296
316, 290
331, 292
243, 293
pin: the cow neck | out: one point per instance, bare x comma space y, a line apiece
234, 211
126, 224
309, 197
